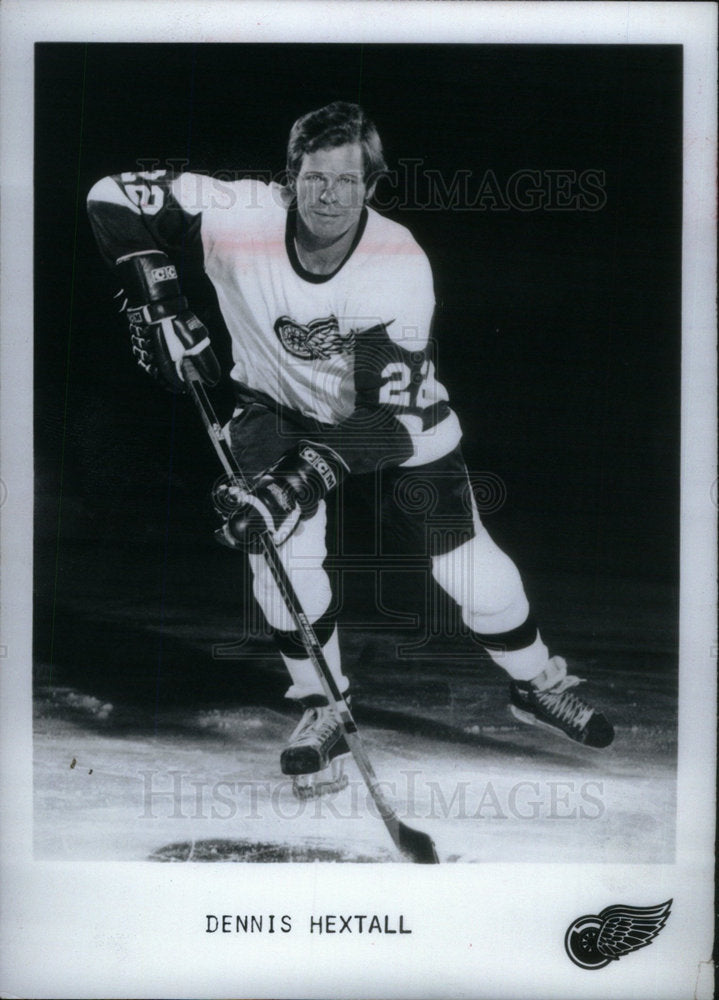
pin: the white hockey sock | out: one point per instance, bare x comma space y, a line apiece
305, 681
522, 664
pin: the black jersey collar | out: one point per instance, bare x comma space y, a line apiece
290, 233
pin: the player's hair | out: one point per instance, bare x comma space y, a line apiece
336, 124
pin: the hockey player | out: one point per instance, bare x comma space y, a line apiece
329, 306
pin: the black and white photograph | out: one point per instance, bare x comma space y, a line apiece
362, 502
432, 410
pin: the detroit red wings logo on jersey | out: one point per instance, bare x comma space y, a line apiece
319, 339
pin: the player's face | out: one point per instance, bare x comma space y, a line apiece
331, 191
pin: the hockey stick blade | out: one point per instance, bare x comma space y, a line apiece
418, 846
412, 844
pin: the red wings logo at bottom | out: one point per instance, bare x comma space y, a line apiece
594, 941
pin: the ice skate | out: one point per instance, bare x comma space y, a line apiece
315, 752
548, 701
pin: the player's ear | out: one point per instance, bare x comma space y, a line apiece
371, 181
290, 185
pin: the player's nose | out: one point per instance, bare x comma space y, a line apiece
328, 193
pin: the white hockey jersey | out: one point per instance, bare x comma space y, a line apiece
329, 346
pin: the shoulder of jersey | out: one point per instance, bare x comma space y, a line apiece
201, 193
385, 235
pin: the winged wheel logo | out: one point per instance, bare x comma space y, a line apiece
594, 941
318, 339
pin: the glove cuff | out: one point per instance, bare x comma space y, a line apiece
148, 277
153, 312
321, 464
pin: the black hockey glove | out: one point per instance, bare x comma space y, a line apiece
286, 493
162, 329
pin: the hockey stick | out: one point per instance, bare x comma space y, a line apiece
414, 844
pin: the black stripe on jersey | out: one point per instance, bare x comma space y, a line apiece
434, 414
291, 232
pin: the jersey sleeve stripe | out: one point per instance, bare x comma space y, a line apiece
432, 443
109, 191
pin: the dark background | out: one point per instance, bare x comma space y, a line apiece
558, 331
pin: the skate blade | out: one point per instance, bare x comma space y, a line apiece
532, 720
326, 782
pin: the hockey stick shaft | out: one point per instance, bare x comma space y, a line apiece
413, 843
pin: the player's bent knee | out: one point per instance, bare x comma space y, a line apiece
484, 582
312, 587
499, 620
